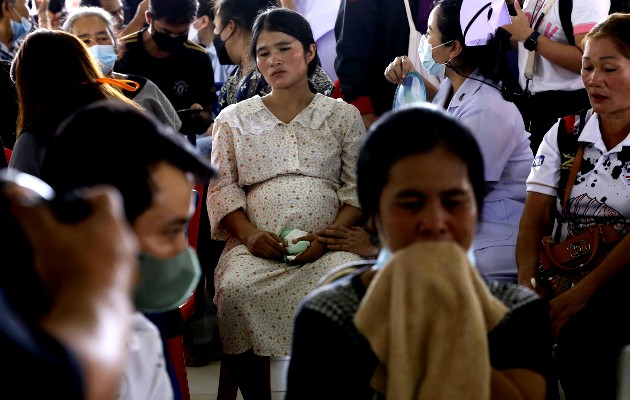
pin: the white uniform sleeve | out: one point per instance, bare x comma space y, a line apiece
544, 176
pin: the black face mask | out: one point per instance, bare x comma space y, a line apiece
222, 54
167, 42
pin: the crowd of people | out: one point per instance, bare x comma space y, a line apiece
408, 228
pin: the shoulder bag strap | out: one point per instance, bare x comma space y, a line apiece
567, 192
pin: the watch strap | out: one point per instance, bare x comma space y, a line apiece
531, 42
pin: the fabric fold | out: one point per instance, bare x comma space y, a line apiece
426, 315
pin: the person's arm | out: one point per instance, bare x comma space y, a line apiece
348, 216
517, 384
564, 55
138, 20
353, 239
290, 4
260, 243
569, 303
536, 222
88, 269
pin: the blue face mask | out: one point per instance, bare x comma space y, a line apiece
20, 29
166, 283
106, 56
425, 51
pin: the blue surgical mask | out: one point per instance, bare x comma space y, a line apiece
106, 56
20, 29
165, 284
425, 51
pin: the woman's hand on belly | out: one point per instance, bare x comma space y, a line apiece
314, 251
264, 244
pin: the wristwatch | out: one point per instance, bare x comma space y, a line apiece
531, 42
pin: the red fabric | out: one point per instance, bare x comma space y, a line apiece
363, 103
7, 154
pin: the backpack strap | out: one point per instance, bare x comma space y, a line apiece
565, 9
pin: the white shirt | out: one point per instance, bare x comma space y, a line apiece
504, 143
547, 75
602, 188
145, 376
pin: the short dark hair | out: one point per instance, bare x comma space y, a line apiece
206, 7
174, 12
286, 21
112, 143
242, 12
390, 139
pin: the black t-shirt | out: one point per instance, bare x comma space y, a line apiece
331, 359
185, 76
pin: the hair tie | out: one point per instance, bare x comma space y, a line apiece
126, 84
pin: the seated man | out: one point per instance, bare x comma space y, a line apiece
156, 184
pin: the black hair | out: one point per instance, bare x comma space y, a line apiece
286, 21
482, 57
206, 7
242, 12
110, 142
174, 12
389, 140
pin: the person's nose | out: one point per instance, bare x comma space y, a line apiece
433, 222
275, 59
595, 78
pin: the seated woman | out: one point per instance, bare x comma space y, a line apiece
471, 94
587, 319
73, 81
287, 160
421, 190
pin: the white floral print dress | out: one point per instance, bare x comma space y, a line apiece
295, 175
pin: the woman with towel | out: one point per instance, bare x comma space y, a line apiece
420, 323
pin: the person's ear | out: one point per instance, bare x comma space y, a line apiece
311, 52
148, 17
204, 21
456, 49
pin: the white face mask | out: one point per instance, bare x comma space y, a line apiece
193, 33
425, 52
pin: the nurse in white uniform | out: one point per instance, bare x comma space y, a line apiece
470, 91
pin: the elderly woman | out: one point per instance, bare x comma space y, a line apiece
587, 319
422, 193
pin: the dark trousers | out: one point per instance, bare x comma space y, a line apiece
542, 110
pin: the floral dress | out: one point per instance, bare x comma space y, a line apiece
295, 175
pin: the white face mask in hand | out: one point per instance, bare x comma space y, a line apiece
425, 52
